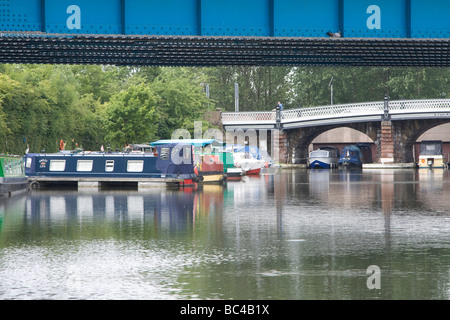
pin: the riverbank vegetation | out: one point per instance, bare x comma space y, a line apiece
90, 106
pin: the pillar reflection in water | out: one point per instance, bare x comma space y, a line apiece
387, 198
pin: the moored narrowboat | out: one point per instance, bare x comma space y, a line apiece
170, 164
350, 157
12, 175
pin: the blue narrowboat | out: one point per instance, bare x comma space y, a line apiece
350, 157
169, 161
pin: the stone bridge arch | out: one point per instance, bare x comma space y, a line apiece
299, 139
406, 133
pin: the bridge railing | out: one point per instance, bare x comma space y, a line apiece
335, 111
342, 110
263, 117
426, 105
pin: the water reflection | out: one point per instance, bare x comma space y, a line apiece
301, 234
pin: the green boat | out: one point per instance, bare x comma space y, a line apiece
12, 175
227, 159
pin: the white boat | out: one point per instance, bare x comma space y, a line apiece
324, 157
252, 160
247, 163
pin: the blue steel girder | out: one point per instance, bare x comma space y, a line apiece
266, 18
226, 32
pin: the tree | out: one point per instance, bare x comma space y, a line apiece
23, 116
310, 84
260, 88
91, 133
181, 100
99, 81
131, 116
420, 83
7, 89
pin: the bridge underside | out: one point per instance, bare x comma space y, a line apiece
132, 50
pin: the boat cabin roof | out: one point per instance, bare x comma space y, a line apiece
432, 147
330, 148
351, 148
194, 142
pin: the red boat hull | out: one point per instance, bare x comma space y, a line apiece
253, 172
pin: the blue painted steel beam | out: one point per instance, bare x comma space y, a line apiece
416, 19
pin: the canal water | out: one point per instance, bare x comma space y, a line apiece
300, 234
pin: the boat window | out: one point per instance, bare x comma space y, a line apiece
6, 166
57, 165
319, 153
109, 167
14, 167
29, 160
135, 165
84, 165
164, 154
18, 167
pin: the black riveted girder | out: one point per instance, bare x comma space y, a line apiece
132, 50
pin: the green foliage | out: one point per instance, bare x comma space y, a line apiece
91, 134
181, 100
259, 88
99, 81
311, 85
131, 116
7, 89
22, 116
